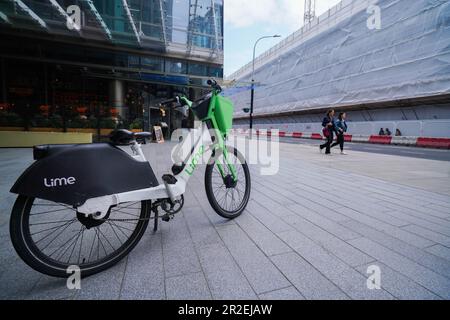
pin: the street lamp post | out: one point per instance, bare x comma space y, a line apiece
253, 80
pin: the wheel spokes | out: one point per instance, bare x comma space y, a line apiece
228, 197
65, 237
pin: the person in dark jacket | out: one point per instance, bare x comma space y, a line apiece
381, 132
341, 129
328, 123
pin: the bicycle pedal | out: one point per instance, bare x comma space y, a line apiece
165, 218
169, 179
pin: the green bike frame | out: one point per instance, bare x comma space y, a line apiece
217, 111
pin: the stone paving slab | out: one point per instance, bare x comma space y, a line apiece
308, 280
309, 232
188, 287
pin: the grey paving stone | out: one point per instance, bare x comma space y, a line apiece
326, 224
283, 189
424, 195
263, 237
308, 280
406, 204
200, 228
275, 196
289, 293
6, 205
346, 278
331, 214
190, 201
18, 280
444, 209
353, 257
399, 199
413, 213
8, 255
258, 269
49, 288
272, 222
385, 216
439, 226
440, 251
398, 285
434, 282
336, 199
104, 285
188, 287
267, 203
428, 234
144, 273
224, 277
401, 234
202, 201
420, 256
178, 250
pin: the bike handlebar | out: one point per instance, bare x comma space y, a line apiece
211, 82
164, 102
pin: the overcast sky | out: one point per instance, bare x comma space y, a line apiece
247, 20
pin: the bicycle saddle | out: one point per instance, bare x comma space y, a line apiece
124, 137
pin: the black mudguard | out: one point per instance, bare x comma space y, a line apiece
71, 174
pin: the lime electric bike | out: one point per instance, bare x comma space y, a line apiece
88, 205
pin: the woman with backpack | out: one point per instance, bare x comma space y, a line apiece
341, 127
328, 130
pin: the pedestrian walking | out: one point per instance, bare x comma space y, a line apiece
341, 129
381, 132
328, 130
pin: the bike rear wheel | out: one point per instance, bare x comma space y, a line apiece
227, 197
51, 236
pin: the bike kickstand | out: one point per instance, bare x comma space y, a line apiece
155, 224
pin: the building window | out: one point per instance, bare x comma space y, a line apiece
198, 69
173, 66
216, 72
152, 63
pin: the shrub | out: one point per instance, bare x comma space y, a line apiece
39, 121
10, 119
137, 123
78, 122
56, 121
107, 123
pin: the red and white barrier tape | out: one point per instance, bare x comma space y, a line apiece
425, 142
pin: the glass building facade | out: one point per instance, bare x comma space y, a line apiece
99, 64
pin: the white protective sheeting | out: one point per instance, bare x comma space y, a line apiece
349, 64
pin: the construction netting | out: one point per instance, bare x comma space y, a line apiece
357, 62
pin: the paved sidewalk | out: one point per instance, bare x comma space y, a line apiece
309, 232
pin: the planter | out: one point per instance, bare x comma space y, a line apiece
10, 139
93, 131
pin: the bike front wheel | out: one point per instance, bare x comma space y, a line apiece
228, 197
51, 237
